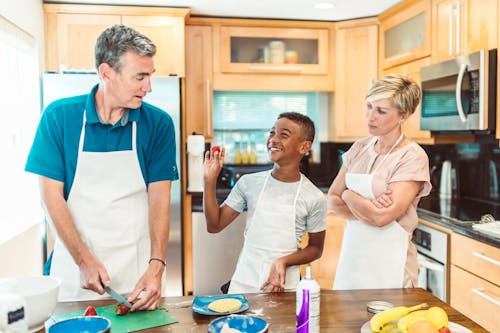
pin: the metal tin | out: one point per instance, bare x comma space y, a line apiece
378, 306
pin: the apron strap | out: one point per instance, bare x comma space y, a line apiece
372, 161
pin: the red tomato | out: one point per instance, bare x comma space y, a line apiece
445, 330
215, 149
90, 311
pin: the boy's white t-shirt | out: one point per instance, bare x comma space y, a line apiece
311, 202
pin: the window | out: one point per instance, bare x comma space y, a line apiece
242, 119
20, 111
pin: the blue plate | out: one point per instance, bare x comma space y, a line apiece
200, 304
243, 323
92, 324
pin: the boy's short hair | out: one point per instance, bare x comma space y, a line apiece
306, 124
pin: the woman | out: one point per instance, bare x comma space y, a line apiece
377, 189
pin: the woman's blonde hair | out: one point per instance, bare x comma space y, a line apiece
401, 89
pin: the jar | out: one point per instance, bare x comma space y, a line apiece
291, 57
276, 52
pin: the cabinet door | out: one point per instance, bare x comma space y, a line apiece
449, 24
273, 50
482, 25
356, 71
199, 92
405, 33
323, 269
411, 127
168, 35
71, 38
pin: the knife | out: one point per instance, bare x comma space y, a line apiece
118, 297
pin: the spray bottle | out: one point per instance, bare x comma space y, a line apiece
307, 308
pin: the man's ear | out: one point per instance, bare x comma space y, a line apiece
305, 147
105, 71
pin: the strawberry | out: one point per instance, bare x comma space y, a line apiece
445, 330
215, 149
121, 309
90, 311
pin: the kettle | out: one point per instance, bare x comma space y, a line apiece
448, 180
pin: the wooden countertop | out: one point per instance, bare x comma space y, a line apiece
341, 311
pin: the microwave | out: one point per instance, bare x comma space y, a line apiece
460, 94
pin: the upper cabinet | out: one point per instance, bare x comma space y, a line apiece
462, 26
405, 33
71, 32
271, 55
199, 92
273, 50
356, 71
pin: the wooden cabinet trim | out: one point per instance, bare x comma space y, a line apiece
116, 10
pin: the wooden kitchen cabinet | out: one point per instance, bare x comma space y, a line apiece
356, 70
71, 32
239, 54
411, 127
462, 26
323, 269
405, 33
475, 280
199, 82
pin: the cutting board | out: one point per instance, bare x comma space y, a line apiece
133, 321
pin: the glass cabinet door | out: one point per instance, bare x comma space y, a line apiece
274, 50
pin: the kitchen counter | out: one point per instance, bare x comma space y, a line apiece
341, 311
459, 215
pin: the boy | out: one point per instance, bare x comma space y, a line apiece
282, 206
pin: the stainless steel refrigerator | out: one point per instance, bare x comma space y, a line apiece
166, 96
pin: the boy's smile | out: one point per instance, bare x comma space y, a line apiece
284, 141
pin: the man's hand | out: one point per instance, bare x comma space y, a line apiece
147, 292
276, 279
93, 274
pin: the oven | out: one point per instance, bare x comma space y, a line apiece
432, 248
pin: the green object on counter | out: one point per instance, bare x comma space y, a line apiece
131, 322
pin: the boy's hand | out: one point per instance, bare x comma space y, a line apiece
276, 279
383, 200
214, 160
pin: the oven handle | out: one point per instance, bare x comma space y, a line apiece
486, 258
480, 293
431, 265
458, 91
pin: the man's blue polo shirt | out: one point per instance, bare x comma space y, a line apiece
54, 151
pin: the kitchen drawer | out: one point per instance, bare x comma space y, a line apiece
476, 257
476, 298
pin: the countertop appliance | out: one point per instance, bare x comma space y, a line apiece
432, 247
460, 94
165, 95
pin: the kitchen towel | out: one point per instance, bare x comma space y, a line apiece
131, 322
492, 228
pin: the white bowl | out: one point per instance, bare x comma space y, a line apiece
40, 294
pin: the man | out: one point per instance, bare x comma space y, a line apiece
106, 161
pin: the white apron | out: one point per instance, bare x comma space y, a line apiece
270, 234
109, 205
371, 257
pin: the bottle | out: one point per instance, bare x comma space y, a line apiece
244, 154
237, 153
252, 155
307, 307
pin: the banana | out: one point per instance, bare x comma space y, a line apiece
405, 322
380, 319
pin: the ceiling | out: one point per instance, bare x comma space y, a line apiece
268, 9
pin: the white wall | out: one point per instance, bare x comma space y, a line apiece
22, 255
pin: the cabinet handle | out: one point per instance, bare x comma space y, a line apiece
450, 31
209, 115
480, 293
400, 56
457, 24
486, 258
276, 68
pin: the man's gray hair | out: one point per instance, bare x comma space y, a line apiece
117, 40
